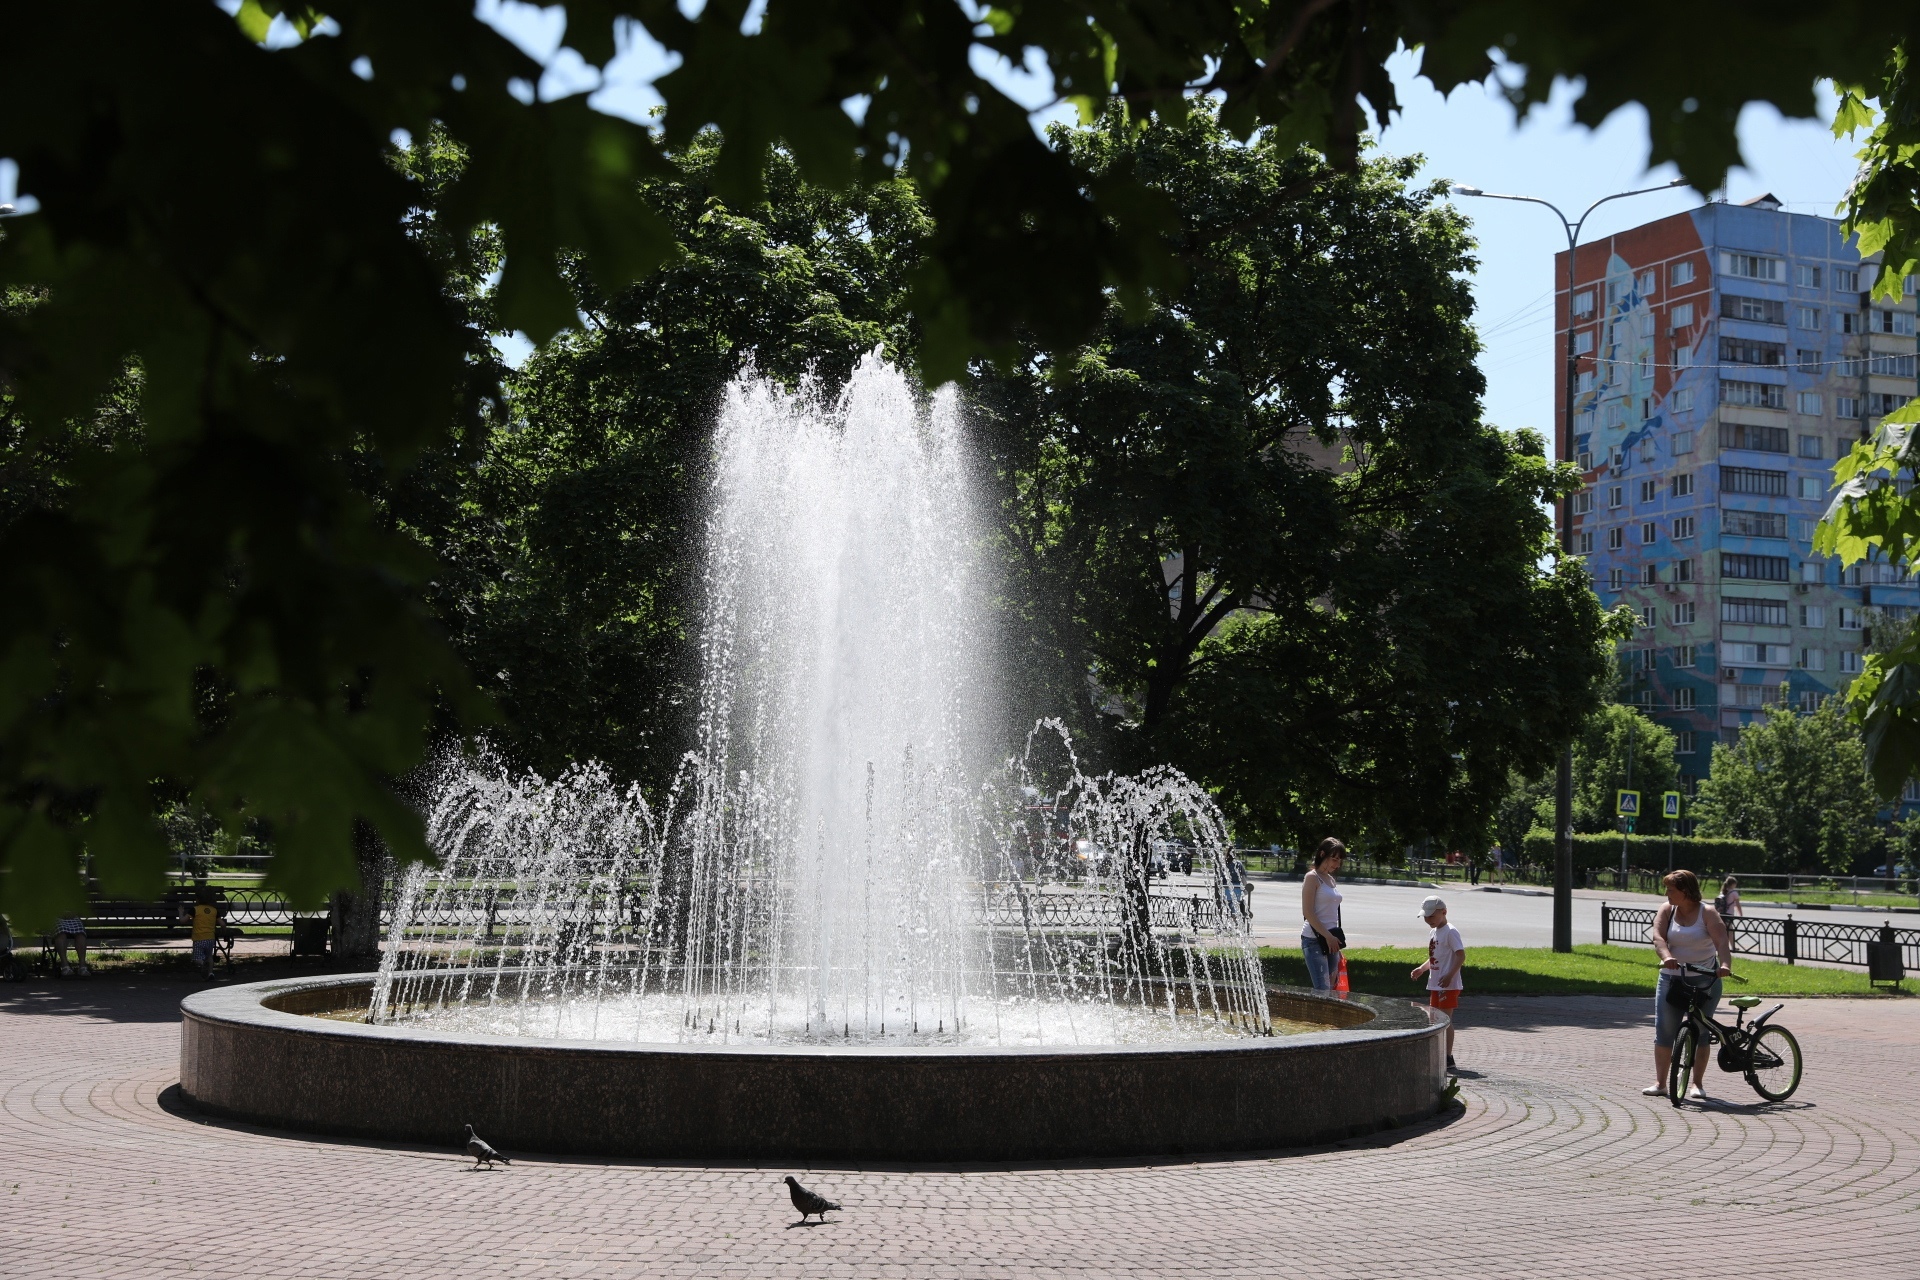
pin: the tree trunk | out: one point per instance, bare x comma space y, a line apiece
356, 912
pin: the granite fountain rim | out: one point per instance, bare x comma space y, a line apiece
1392, 1018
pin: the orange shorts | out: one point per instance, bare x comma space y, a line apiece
1447, 1000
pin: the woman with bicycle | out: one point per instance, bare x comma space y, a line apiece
1686, 931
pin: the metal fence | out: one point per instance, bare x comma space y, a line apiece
1766, 938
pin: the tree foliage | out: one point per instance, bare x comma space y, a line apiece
1798, 784
1265, 513
1619, 749
571, 562
225, 608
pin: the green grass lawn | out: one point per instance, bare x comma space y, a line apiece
1586, 971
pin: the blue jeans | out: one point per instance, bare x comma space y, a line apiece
1668, 1017
1320, 965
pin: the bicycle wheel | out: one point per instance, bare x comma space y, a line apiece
1774, 1070
1680, 1069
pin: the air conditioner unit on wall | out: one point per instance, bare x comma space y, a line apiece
1729, 673
1802, 587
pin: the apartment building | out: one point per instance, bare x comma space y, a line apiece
1725, 358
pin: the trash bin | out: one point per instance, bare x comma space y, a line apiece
310, 935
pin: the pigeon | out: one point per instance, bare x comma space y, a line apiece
482, 1151
807, 1202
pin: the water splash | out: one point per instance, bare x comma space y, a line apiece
828, 866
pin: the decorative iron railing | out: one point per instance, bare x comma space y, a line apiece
1775, 938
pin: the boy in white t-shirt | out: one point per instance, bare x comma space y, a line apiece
1446, 955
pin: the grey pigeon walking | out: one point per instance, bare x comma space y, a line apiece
482, 1151
807, 1202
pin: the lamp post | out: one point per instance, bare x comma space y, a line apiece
1563, 782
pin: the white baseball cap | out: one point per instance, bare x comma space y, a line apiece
1430, 906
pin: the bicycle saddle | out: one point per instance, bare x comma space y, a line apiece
1745, 1002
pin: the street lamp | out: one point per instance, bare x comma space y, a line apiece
1563, 782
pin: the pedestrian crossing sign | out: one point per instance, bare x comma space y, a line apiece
1669, 804
1629, 804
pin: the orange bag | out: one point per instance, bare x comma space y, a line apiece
1340, 980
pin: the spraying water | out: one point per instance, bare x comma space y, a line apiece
838, 861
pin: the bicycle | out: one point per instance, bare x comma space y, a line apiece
1767, 1055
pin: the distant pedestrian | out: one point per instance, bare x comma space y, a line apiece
71, 931
1685, 931
1321, 937
206, 930
1728, 903
1446, 956
1473, 867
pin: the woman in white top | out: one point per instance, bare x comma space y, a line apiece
1321, 938
1685, 931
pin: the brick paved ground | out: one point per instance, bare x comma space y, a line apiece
1557, 1167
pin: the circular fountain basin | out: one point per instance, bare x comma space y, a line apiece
268, 1053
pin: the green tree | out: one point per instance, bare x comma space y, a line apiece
1601, 769
574, 549
218, 613
1797, 783
1266, 515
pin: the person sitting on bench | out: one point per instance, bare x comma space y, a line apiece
75, 928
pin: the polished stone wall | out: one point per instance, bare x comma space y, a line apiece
255, 1053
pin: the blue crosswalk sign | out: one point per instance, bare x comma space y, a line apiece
1629, 803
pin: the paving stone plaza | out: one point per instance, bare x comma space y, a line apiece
1556, 1166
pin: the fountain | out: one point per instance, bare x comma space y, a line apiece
846, 930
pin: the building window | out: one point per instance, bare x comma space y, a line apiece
1586, 461
1765, 484
1807, 318
1895, 322
1846, 322
1582, 504
1616, 539
1805, 276
1849, 662
1646, 282
1849, 619
1683, 699
1755, 655
1583, 303
1756, 395
1682, 485
1616, 494
1649, 575
1583, 342
1682, 316
1813, 659
1683, 738
1683, 617
1743, 435
1750, 695
1749, 266
1753, 524
1846, 406
1812, 488
1808, 362
1683, 655
1882, 403
1681, 400
1683, 440
1683, 357
1649, 490
1680, 273
1810, 571
1584, 544
1683, 527
1616, 579
1649, 614
1735, 564
1846, 280
1811, 447
1813, 615
1683, 571
1734, 306
1649, 534
1753, 612
1810, 405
